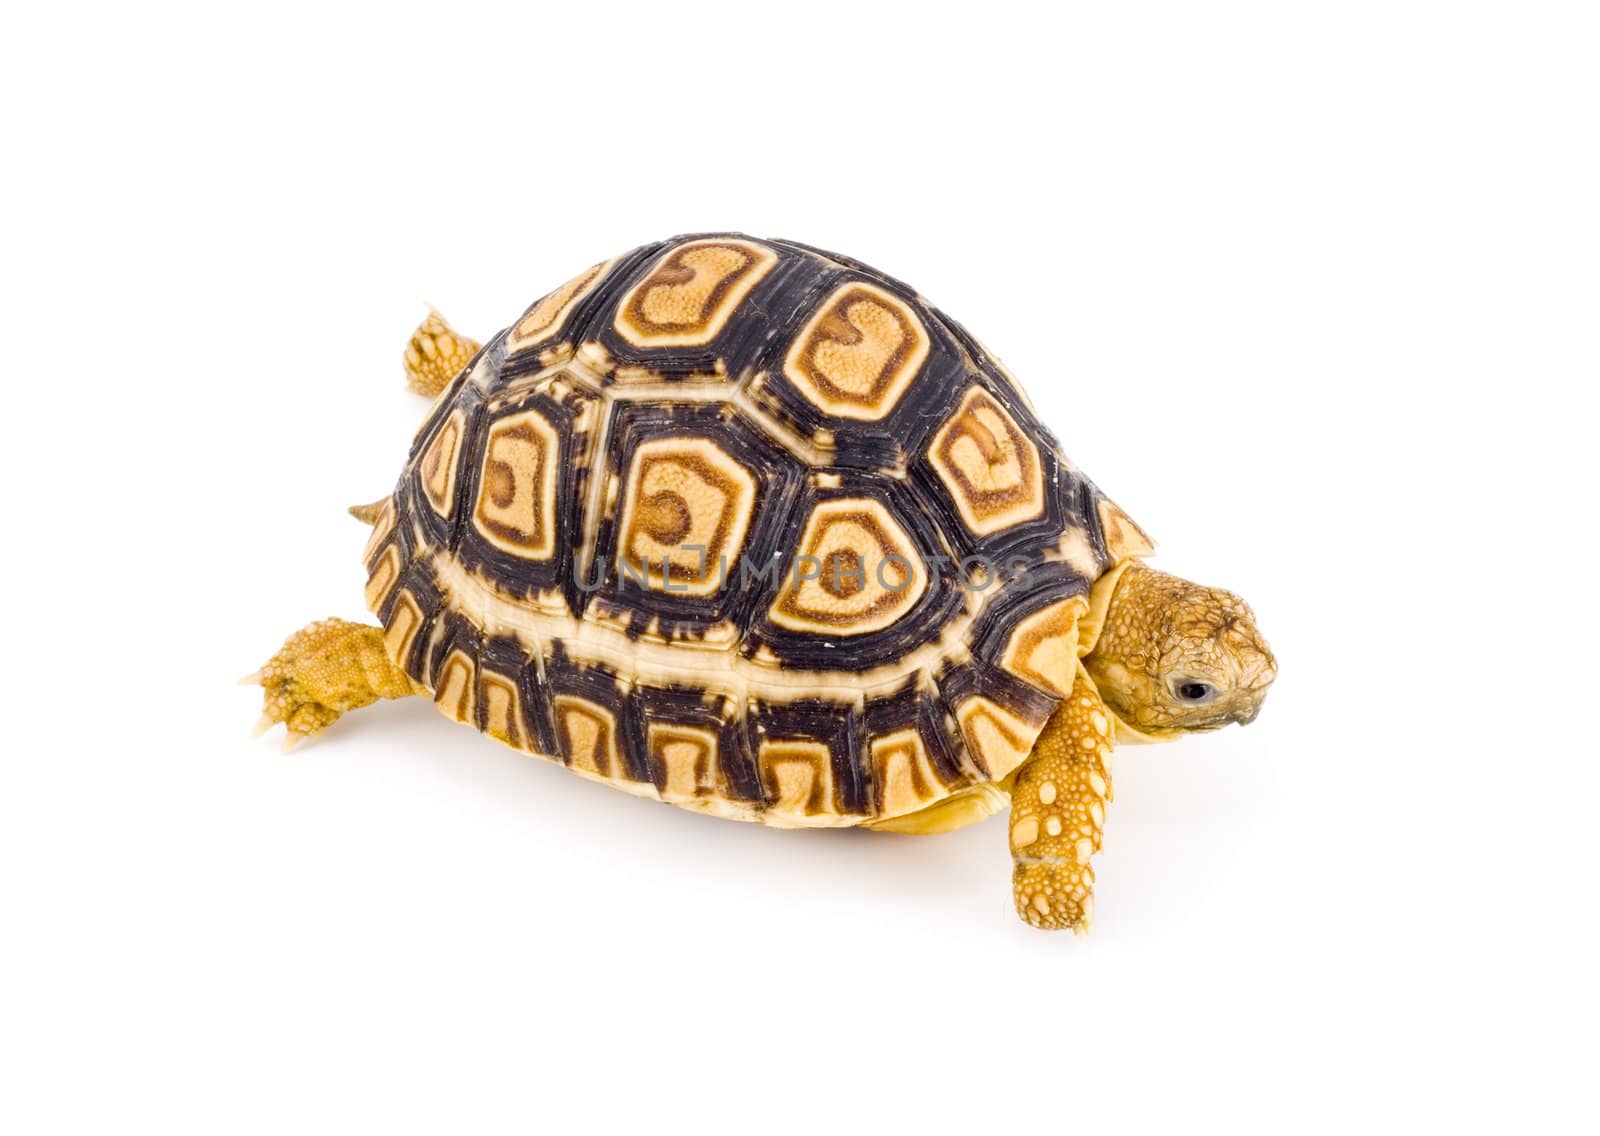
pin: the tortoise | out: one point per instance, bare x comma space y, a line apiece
752, 529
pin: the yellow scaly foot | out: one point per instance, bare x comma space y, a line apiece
325, 670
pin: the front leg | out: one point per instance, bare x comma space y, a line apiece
1058, 812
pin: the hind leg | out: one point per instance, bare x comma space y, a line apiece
325, 670
435, 355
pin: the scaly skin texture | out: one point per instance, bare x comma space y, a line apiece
436, 355
325, 670
1162, 633
1154, 636
1159, 636
1058, 811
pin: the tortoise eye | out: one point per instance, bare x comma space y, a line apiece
1194, 691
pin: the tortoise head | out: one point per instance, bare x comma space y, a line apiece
1174, 657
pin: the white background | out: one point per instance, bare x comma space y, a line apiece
1310, 289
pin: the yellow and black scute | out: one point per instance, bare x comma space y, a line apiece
746, 527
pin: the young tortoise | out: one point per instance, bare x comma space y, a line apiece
752, 529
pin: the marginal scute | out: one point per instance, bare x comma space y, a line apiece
455, 690
859, 353
502, 706
382, 578
996, 738
687, 509
856, 571
1043, 647
400, 629
548, 316
588, 736
989, 466
683, 760
798, 777
516, 506
690, 294
437, 469
382, 526
1124, 539
902, 773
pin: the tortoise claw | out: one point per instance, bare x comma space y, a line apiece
322, 671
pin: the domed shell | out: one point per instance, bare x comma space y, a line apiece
749, 528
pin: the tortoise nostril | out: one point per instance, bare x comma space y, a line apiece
1257, 672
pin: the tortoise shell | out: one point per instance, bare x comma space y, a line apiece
746, 527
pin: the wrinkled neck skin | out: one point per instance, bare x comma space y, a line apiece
1090, 628
1148, 635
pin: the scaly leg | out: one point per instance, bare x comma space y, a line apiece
1058, 812
435, 355
323, 671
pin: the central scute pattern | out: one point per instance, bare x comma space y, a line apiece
862, 572
686, 511
746, 527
